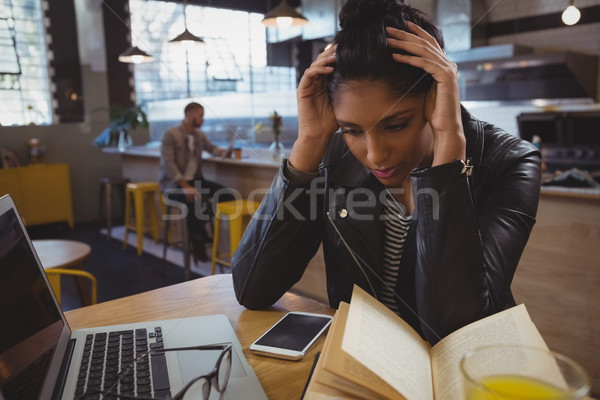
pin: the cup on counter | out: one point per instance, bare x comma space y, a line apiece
514, 372
237, 153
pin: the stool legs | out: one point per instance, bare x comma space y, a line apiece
128, 205
151, 204
108, 193
143, 195
103, 211
215, 247
167, 234
238, 220
236, 230
138, 200
105, 201
184, 238
186, 248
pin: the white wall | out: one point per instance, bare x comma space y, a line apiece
71, 143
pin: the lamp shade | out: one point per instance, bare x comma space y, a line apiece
187, 39
135, 55
284, 16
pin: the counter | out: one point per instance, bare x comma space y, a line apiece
585, 193
559, 274
251, 176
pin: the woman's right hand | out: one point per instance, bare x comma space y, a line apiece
316, 121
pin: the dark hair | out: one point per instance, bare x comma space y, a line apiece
362, 51
193, 106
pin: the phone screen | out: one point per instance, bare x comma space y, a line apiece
294, 332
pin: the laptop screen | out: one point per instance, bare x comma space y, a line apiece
31, 321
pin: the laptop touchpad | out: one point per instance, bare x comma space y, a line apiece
195, 363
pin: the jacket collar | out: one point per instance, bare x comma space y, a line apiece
183, 133
473, 129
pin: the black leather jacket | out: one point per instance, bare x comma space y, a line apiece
468, 231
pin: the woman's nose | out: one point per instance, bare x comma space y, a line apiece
377, 149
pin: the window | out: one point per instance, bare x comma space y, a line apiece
24, 88
233, 59
229, 75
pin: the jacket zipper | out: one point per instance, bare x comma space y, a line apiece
352, 254
467, 170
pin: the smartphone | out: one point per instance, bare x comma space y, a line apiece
292, 336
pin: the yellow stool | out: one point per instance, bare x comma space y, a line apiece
239, 213
142, 193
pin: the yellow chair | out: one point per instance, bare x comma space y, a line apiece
238, 212
54, 275
140, 194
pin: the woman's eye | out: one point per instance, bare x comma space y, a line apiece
397, 127
354, 132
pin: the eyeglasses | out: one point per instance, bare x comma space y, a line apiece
197, 388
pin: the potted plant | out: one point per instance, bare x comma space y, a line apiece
122, 120
276, 123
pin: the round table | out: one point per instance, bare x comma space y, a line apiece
61, 253
55, 253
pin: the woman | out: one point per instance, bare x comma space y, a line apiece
416, 201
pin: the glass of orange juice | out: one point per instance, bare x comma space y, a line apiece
514, 372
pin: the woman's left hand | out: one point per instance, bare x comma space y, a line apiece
442, 105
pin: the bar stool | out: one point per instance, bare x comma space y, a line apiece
238, 212
185, 239
139, 194
167, 217
106, 194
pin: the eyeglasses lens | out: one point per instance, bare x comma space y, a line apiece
223, 371
200, 390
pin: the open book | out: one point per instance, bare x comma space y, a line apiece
371, 353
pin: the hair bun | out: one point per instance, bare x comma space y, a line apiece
361, 12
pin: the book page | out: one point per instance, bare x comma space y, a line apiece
509, 326
340, 371
388, 346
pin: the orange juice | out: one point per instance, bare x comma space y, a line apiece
507, 387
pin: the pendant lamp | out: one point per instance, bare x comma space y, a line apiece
187, 39
135, 55
284, 16
571, 14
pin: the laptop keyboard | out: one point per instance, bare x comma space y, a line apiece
114, 363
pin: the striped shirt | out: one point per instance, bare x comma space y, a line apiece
396, 230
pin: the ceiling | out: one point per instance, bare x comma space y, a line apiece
258, 6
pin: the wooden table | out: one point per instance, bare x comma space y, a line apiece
65, 254
280, 379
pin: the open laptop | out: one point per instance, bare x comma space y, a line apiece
40, 358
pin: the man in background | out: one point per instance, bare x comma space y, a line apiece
180, 174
